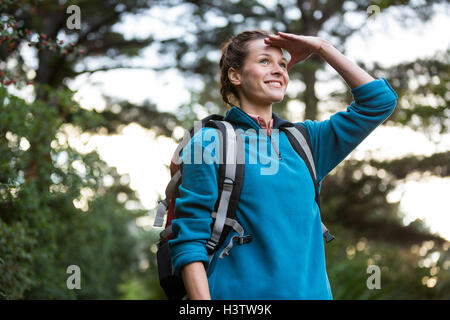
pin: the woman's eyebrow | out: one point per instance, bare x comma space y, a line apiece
268, 55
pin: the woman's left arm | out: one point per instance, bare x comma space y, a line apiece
348, 70
374, 100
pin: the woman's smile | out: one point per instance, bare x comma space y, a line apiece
274, 84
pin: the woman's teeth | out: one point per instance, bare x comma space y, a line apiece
275, 84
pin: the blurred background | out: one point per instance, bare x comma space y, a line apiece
94, 99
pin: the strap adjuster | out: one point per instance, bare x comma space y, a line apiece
160, 212
210, 245
228, 184
228, 181
244, 239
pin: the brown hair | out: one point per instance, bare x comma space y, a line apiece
234, 52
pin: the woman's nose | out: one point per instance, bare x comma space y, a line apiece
277, 69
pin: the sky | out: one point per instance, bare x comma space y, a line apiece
138, 153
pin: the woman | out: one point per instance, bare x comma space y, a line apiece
286, 258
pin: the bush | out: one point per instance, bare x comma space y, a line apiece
55, 209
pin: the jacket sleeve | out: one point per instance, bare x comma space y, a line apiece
333, 139
198, 194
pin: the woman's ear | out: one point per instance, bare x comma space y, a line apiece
234, 76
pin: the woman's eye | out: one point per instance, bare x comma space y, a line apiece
283, 65
263, 60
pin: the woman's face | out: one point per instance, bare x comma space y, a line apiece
264, 78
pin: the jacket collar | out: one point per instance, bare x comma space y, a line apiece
239, 116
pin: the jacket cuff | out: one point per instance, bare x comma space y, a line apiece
187, 252
380, 89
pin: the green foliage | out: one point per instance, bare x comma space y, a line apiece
61, 54
143, 282
419, 271
15, 260
370, 231
55, 209
423, 86
362, 207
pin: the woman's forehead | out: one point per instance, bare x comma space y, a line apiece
258, 46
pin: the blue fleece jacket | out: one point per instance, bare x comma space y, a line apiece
286, 258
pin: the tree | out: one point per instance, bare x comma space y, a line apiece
78, 220
42, 24
58, 206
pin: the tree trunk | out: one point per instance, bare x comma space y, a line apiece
309, 95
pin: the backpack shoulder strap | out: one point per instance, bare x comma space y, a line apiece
302, 144
299, 138
230, 181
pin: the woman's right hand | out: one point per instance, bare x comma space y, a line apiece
299, 47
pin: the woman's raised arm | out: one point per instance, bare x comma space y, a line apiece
348, 70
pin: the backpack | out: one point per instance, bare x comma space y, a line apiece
230, 180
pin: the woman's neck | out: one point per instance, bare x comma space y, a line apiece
264, 112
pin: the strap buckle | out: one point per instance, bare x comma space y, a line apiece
328, 236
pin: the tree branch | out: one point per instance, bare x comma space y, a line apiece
438, 164
121, 67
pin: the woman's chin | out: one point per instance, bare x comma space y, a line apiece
270, 99
277, 99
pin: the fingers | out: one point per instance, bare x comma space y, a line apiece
289, 36
273, 42
286, 35
281, 37
274, 39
